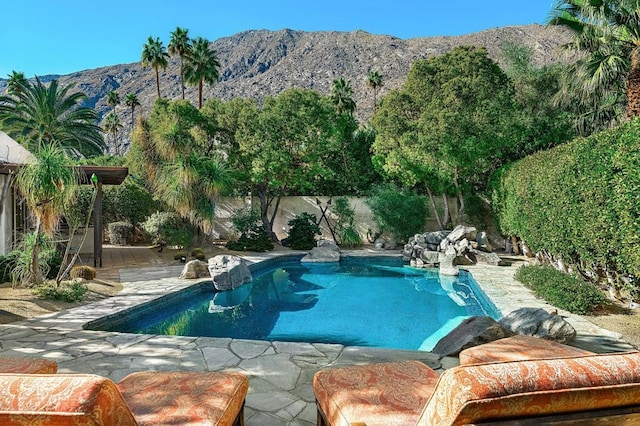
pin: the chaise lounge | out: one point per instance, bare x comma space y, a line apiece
144, 398
570, 387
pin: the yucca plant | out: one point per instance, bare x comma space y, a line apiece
46, 184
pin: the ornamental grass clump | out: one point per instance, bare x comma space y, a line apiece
85, 272
562, 290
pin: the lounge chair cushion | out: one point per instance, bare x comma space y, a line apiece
183, 398
59, 399
518, 348
498, 391
15, 365
380, 394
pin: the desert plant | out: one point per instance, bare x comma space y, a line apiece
68, 291
168, 228
253, 237
345, 223
302, 232
121, 233
48, 258
82, 271
198, 253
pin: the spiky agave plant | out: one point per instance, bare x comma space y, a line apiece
46, 185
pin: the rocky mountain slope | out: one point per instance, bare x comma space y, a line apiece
264, 63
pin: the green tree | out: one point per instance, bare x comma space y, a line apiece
374, 81
112, 125
131, 100
155, 56
113, 99
38, 115
16, 80
606, 34
201, 66
180, 44
283, 148
447, 128
46, 184
170, 145
342, 96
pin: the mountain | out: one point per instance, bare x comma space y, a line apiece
263, 63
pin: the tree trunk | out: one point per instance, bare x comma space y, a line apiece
35, 275
182, 78
434, 207
200, 94
633, 86
158, 81
267, 223
447, 213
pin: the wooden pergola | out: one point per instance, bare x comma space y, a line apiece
106, 176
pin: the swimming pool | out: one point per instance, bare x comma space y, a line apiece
360, 301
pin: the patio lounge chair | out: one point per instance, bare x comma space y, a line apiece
578, 389
144, 398
18, 365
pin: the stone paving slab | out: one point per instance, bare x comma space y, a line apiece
280, 373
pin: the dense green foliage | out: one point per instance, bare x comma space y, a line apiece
579, 201
397, 212
120, 233
68, 291
253, 237
345, 229
562, 290
168, 228
302, 232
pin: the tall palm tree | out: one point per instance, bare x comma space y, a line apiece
374, 81
607, 35
50, 115
180, 44
131, 100
201, 66
155, 56
342, 96
15, 82
113, 99
112, 125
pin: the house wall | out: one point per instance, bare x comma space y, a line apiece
6, 218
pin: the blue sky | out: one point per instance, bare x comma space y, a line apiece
40, 37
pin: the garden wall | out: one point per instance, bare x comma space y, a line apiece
292, 206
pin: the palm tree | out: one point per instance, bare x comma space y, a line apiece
113, 99
155, 56
201, 66
46, 184
112, 125
180, 45
341, 96
131, 100
39, 115
15, 81
607, 35
374, 81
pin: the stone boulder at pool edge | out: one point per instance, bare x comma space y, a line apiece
229, 272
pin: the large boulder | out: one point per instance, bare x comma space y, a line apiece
228, 272
459, 233
194, 269
539, 323
326, 251
486, 257
471, 332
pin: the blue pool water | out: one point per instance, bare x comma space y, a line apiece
374, 302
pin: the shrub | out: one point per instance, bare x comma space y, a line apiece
198, 253
7, 263
253, 237
68, 291
562, 290
129, 202
345, 223
49, 259
398, 212
121, 233
179, 256
303, 231
85, 272
168, 228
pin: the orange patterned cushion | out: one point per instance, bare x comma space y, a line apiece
485, 392
60, 399
27, 366
185, 398
379, 394
518, 348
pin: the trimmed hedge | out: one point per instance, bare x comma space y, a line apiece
579, 201
562, 290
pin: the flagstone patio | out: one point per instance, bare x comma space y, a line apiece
280, 373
